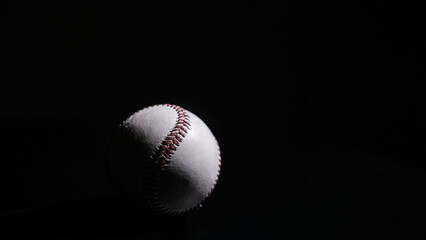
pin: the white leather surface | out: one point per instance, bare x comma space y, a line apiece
151, 125
193, 168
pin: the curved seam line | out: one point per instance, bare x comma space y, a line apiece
162, 157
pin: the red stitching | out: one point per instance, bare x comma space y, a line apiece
217, 176
162, 157
169, 145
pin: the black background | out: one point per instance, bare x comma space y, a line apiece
318, 108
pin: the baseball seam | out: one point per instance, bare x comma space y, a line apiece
164, 152
217, 176
162, 157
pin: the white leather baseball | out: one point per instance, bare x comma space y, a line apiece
166, 156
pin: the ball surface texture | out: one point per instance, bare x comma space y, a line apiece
165, 158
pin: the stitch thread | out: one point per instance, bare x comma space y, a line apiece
162, 156
164, 153
217, 176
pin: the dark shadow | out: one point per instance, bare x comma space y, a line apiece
92, 219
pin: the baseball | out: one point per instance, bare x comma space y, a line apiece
164, 157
